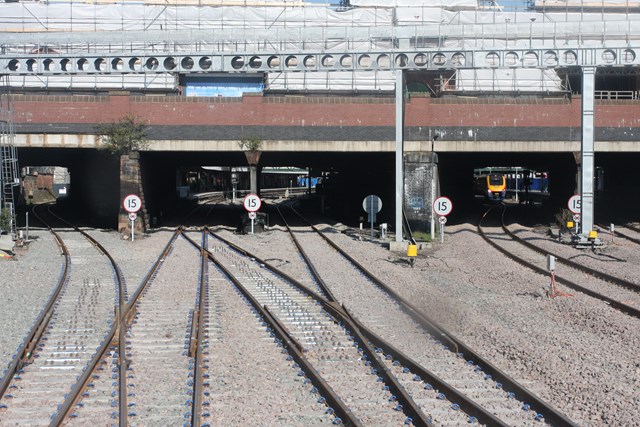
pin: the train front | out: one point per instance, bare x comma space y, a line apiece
496, 187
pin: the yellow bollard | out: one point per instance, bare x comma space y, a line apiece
569, 225
412, 253
593, 235
412, 250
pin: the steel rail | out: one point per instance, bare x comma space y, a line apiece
599, 274
130, 309
312, 268
627, 309
75, 394
466, 404
25, 352
126, 315
550, 414
296, 349
412, 409
453, 395
336, 309
622, 235
407, 404
197, 338
119, 329
632, 227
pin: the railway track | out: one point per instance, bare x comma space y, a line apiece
69, 337
369, 393
470, 390
627, 232
320, 361
236, 328
157, 340
619, 293
161, 376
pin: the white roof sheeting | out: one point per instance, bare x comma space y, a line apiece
164, 82
333, 81
507, 80
102, 18
140, 17
445, 4
32, 17
602, 4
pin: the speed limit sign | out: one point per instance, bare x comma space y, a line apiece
252, 202
442, 206
575, 203
132, 203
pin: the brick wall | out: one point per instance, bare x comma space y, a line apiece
337, 116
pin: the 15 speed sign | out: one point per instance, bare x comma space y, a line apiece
442, 206
574, 204
252, 203
132, 203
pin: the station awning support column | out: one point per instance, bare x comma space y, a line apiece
399, 153
587, 151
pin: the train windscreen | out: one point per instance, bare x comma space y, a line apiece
495, 180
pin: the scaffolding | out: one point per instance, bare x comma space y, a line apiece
76, 47
9, 177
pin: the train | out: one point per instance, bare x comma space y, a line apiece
492, 187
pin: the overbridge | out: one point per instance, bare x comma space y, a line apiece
520, 41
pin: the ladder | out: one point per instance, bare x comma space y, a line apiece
9, 173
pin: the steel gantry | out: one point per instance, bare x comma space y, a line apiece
427, 47
533, 44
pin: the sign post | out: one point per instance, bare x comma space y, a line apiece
252, 204
442, 207
575, 205
132, 204
132, 217
442, 220
372, 204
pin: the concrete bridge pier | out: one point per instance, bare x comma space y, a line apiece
131, 183
419, 187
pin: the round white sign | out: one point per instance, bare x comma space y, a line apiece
133, 216
575, 203
576, 217
252, 202
132, 203
372, 204
252, 215
442, 206
442, 219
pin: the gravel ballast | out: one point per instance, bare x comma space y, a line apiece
26, 284
574, 352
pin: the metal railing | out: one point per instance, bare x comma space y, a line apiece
616, 94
